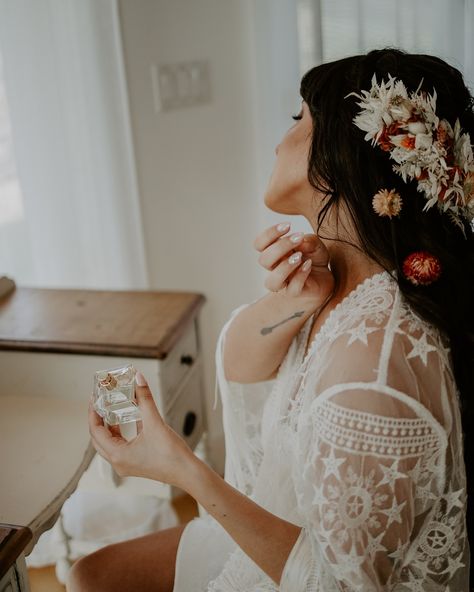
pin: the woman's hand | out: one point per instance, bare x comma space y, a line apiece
157, 452
315, 284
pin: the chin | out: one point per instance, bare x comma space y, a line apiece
281, 202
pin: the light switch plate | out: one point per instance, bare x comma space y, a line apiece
182, 84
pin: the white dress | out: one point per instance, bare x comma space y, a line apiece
359, 442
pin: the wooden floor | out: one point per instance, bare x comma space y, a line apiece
43, 579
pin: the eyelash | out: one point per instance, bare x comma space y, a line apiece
297, 117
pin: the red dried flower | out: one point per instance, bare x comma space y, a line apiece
421, 267
384, 140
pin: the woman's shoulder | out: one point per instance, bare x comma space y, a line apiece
393, 347
378, 316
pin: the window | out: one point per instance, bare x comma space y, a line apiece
333, 29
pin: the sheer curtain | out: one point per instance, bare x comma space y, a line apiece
69, 204
332, 29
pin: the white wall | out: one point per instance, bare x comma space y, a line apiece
202, 170
196, 166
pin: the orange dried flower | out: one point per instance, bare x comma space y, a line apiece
408, 142
387, 203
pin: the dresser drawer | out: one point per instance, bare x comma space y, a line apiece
178, 364
185, 415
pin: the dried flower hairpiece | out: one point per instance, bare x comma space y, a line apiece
423, 146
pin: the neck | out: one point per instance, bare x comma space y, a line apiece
349, 265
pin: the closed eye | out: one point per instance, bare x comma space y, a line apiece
297, 117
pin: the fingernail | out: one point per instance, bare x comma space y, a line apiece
295, 238
140, 379
283, 226
295, 258
306, 265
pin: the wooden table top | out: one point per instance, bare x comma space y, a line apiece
139, 323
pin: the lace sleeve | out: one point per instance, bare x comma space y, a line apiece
241, 417
370, 464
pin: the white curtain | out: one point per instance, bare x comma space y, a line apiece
69, 203
332, 29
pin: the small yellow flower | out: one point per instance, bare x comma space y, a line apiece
387, 203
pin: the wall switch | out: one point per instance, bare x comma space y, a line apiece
182, 84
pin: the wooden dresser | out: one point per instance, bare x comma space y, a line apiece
51, 343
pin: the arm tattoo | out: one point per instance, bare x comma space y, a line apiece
267, 330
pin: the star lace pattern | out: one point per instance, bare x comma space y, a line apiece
380, 508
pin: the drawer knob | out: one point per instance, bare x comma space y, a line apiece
189, 423
187, 359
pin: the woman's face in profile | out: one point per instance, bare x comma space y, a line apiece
288, 190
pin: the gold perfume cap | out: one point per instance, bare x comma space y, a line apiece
108, 382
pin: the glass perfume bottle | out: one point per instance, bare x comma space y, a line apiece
114, 395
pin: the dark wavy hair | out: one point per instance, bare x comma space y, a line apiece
344, 166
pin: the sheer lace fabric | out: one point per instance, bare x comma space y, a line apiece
359, 442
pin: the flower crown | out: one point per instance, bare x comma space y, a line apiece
423, 146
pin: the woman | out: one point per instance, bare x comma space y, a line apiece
342, 387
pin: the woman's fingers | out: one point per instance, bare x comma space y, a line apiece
279, 249
289, 258
280, 277
298, 263
146, 402
295, 283
283, 247
103, 439
269, 235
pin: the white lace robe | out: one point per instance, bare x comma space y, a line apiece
360, 444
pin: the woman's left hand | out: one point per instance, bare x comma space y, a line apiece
157, 452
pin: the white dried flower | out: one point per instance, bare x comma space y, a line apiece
387, 203
421, 145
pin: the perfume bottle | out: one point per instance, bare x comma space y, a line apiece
114, 395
